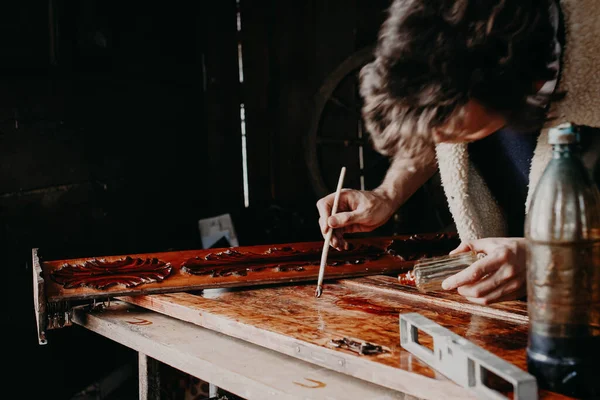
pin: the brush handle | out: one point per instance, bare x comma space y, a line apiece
336, 200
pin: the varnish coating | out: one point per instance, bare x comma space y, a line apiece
515, 311
168, 272
347, 316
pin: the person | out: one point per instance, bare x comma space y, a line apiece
470, 89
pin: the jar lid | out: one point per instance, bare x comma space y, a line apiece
566, 133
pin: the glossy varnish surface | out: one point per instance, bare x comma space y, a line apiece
514, 311
346, 313
242, 266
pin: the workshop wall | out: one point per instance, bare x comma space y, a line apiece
121, 125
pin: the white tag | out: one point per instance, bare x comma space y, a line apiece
215, 228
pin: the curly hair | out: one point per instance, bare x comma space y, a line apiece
433, 56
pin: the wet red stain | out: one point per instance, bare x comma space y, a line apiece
362, 304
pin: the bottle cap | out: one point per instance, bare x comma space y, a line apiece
566, 133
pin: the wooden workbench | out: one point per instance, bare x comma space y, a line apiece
290, 320
236, 366
264, 296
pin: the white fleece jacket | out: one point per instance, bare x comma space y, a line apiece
475, 211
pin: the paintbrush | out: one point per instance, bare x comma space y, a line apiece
328, 235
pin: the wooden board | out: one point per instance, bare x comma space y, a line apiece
234, 365
96, 277
514, 311
289, 319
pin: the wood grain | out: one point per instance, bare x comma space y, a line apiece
168, 272
291, 320
249, 371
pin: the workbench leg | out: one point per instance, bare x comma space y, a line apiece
213, 390
149, 378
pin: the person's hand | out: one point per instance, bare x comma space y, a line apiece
499, 276
358, 211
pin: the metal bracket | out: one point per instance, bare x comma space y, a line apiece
53, 314
48, 315
462, 361
361, 348
318, 356
39, 297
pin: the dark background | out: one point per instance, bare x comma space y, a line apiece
120, 128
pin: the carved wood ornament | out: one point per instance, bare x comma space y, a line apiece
100, 274
280, 259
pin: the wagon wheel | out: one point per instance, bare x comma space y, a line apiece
336, 129
337, 137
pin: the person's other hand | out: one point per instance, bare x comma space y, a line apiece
499, 276
358, 211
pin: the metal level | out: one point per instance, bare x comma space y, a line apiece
462, 361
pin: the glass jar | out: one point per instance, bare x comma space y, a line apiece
429, 273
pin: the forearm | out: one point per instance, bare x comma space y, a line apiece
400, 183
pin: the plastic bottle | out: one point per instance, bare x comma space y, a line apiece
563, 272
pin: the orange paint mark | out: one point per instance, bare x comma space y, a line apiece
139, 321
316, 386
